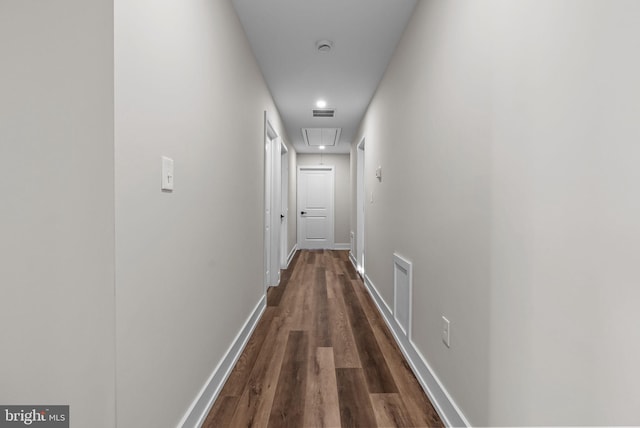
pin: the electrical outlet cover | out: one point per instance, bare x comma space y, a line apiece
167, 174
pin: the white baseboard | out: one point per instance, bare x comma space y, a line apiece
292, 254
380, 302
450, 413
342, 246
353, 261
199, 409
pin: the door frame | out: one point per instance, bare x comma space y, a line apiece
271, 210
284, 204
332, 169
360, 206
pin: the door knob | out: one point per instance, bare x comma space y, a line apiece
303, 212
281, 216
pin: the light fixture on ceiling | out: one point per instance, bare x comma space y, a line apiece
324, 46
321, 104
321, 147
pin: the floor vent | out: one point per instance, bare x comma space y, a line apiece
402, 293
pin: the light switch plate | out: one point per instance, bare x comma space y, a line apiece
167, 173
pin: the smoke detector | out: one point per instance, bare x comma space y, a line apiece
324, 46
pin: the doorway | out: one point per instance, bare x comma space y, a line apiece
360, 200
272, 204
284, 204
316, 207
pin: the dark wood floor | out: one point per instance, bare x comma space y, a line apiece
321, 355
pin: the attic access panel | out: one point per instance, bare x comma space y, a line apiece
315, 137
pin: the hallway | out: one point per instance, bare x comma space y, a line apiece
321, 355
486, 183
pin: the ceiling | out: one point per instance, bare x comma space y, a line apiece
283, 36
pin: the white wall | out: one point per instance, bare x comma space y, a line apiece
189, 263
507, 132
342, 190
56, 215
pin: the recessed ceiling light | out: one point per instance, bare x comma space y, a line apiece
321, 147
321, 104
324, 46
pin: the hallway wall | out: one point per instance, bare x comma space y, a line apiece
189, 263
56, 216
342, 190
507, 132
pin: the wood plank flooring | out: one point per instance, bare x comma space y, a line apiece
321, 356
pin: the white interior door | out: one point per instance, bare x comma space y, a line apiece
315, 207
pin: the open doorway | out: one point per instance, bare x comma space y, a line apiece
272, 204
284, 204
360, 199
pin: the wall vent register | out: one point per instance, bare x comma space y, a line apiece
324, 112
402, 293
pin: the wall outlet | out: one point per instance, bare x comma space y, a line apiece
446, 332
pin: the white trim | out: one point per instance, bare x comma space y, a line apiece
400, 263
450, 413
199, 409
353, 261
284, 204
270, 135
276, 211
360, 206
292, 254
377, 297
341, 246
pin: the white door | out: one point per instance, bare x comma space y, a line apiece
315, 207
